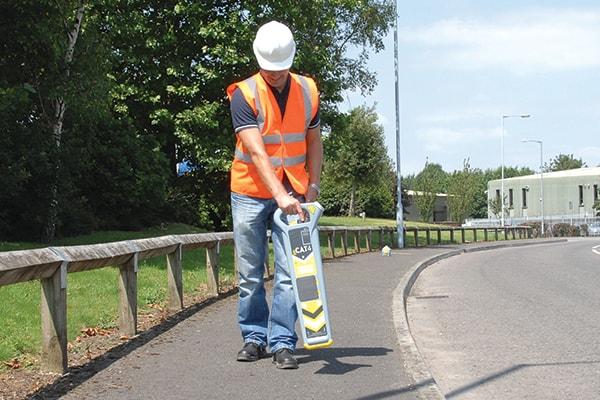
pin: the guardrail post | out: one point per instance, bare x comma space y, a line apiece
345, 241
212, 268
128, 296
416, 233
380, 238
357, 241
369, 238
175, 281
496, 234
331, 243
439, 235
462, 234
53, 313
451, 235
485, 234
428, 236
475, 234
393, 243
513, 233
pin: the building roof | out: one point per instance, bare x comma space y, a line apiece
578, 172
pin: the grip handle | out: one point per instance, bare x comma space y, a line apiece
312, 212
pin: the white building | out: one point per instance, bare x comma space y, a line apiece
567, 194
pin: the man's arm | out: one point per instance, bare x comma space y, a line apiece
253, 143
314, 160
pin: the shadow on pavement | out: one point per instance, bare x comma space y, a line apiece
507, 371
396, 392
332, 356
75, 376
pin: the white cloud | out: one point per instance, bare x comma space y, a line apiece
534, 40
443, 140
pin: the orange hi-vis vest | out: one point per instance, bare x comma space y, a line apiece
284, 139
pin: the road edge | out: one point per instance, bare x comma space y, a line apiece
424, 382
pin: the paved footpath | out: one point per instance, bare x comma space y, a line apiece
195, 358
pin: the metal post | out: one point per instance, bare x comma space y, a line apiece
542, 183
502, 168
502, 155
541, 178
399, 211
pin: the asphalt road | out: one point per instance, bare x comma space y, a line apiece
516, 323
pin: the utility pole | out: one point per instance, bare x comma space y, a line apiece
399, 210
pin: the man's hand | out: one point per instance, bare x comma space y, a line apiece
289, 205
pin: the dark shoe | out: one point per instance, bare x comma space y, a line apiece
284, 359
251, 352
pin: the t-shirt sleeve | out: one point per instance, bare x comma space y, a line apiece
316, 121
242, 115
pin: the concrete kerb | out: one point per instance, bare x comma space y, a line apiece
414, 363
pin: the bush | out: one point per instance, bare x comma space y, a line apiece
536, 231
565, 230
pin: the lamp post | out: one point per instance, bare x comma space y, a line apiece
502, 155
541, 176
399, 210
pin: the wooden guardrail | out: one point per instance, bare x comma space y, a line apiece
51, 266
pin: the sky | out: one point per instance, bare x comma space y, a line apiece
463, 64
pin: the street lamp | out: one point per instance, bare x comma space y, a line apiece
502, 154
541, 176
399, 209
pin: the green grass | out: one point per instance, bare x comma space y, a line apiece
92, 296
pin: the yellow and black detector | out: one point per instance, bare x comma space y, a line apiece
303, 253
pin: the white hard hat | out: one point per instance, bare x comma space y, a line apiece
274, 46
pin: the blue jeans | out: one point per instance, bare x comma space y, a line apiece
251, 219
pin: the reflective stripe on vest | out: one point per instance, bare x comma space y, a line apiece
307, 99
275, 161
276, 138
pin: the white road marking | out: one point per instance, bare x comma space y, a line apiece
596, 249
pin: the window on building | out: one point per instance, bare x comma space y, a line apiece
580, 195
498, 195
595, 193
510, 198
524, 192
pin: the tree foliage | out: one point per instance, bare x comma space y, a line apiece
145, 90
462, 190
358, 173
427, 184
564, 162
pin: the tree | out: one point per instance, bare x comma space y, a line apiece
358, 170
427, 184
149, 77
495, 206
59, 132
462, 190
564, 162
172, 64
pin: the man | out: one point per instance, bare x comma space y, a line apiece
277, 164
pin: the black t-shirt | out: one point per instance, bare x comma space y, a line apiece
243, 116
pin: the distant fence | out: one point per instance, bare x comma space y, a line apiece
51, 266
548, 221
